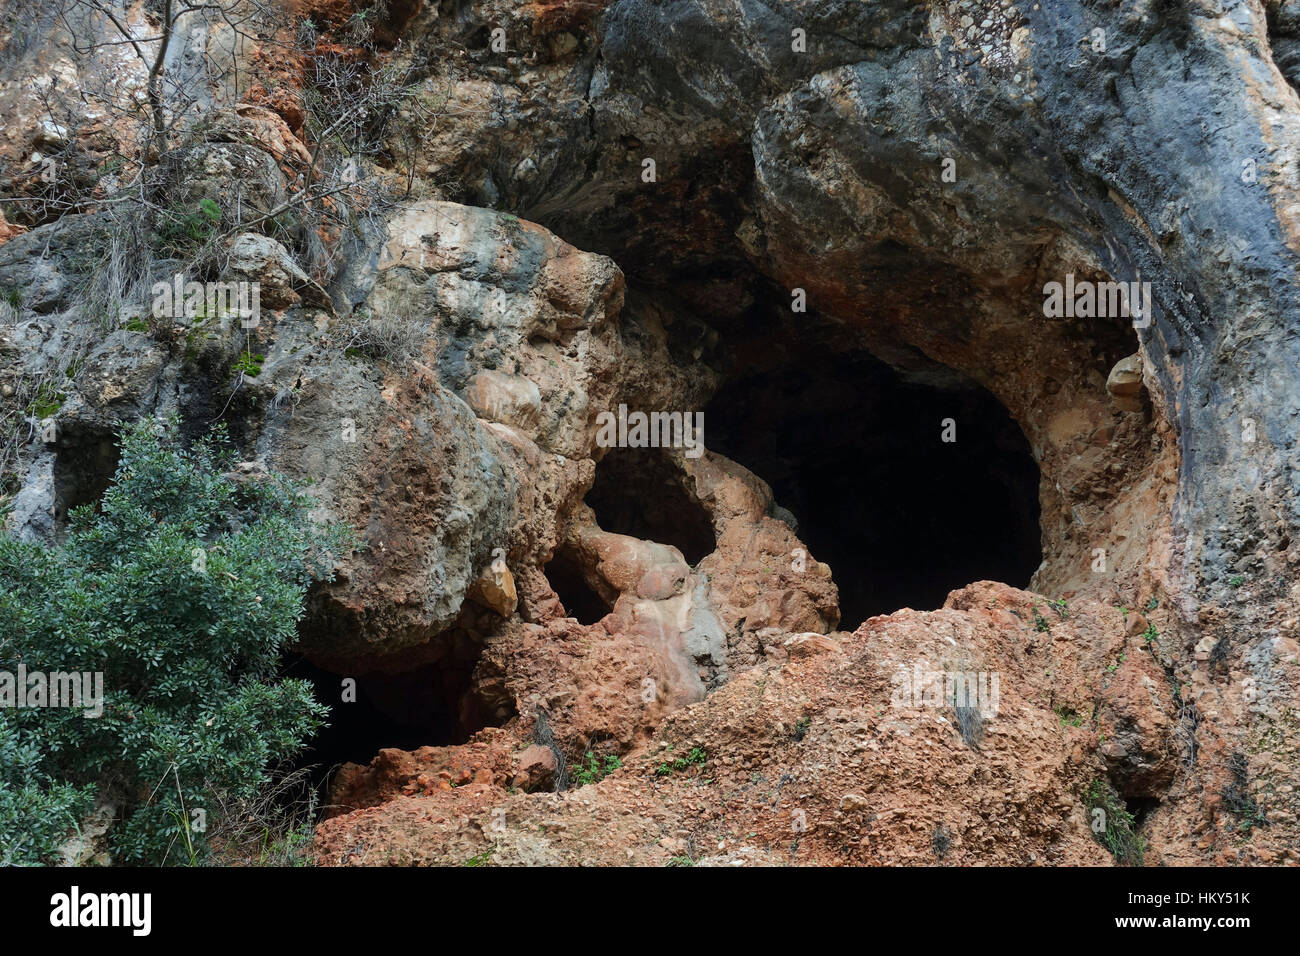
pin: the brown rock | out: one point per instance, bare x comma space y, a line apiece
1125, 383
537, 766
495, 590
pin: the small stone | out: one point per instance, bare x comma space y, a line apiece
1125, 383
495, 590
537, 765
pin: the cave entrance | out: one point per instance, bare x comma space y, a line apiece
642, 493
581, 601
427, 706
84, 469
856, 451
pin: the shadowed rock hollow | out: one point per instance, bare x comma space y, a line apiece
838, 251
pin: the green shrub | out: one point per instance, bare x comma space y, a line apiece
1069, 717
181, 233
35, 811
182, 590
250, 363
47, 401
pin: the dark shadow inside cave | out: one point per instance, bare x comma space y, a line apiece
640, 492
426, 706
580, 600
855, 450
83, 470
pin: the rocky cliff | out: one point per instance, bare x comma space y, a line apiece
831, 229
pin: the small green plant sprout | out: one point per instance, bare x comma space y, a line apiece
1069, 716
1123, 609
1061, 608
47, 401
12, 296
1150, 635
1236, 581
682, 860
1152, 605
480, 859
696, 757
801, 728
184, 233
591, 768
249, 364
1040, 623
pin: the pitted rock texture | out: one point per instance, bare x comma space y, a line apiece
827, 754
621, 207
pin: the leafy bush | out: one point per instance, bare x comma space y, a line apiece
182, 591
35, 812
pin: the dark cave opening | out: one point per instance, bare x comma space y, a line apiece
426, 706
1140, 808
856, 450
580, 599
640, 492
83, 470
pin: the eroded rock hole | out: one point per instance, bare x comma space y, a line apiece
83, 470
580, 599
427, 706
1140, 808
856, 451
640, 492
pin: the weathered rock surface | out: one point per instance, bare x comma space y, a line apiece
837, 757
918, 173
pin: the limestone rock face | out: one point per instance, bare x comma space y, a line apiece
643, 203
257, 258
